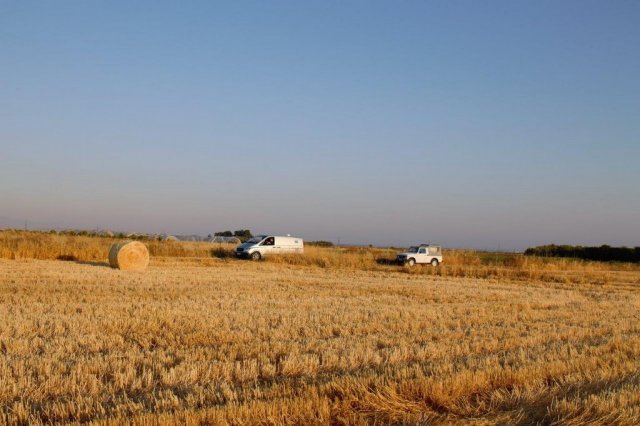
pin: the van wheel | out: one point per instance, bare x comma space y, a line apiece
434, 262
256, 255
411, 262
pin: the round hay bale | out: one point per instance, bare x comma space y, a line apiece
129, 256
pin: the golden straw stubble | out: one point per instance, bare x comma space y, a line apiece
129, 256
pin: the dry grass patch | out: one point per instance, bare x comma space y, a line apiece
200, 340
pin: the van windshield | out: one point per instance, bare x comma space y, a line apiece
255, 240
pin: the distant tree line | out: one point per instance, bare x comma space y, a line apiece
101, 234
603, 253
242, 234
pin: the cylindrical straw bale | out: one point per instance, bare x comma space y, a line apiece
129, 256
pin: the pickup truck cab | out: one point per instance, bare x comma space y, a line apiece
423, 253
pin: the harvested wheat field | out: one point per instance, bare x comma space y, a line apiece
218, 341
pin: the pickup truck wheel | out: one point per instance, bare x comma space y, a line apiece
434, 262
256, 255
411, 262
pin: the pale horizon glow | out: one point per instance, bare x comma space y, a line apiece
481, 125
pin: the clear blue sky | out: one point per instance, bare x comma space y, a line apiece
473, 124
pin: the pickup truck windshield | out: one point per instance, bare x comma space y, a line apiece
412, 250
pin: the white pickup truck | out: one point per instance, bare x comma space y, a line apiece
424, 253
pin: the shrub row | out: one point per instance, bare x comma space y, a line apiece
603, 253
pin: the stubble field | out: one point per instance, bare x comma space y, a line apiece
205, 340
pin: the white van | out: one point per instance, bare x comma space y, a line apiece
264, 245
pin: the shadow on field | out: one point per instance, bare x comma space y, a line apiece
386, 261
222, 253
67, 258
103, 264
72, 258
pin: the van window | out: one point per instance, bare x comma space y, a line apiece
268, 242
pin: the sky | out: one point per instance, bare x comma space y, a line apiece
491, 125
